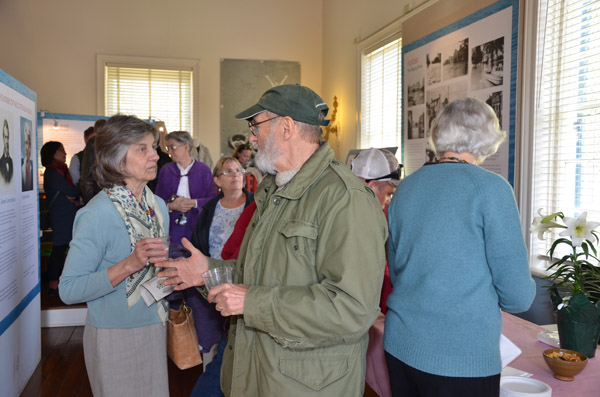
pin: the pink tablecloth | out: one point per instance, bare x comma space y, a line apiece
523, 334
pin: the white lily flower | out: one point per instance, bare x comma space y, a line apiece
578, 229
540, 227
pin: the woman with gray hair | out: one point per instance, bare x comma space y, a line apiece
185, 185
115, 245
456, 257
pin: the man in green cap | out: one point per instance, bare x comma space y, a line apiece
307, 281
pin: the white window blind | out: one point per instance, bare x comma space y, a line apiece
160, 94
566, 166
381, 96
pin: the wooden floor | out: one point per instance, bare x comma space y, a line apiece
61, 371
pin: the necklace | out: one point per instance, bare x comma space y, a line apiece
452, 158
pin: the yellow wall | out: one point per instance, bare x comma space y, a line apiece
51, 46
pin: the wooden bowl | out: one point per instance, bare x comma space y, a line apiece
563, 368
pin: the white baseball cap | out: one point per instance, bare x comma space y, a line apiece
377, 165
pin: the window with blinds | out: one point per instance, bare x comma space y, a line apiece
381, 96
566, 151
160, 94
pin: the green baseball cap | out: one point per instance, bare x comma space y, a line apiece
293, 100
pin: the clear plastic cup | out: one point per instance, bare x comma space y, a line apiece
217, 275
166, 240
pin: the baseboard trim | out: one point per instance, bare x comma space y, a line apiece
63, 317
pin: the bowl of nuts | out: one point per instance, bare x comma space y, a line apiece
565, 363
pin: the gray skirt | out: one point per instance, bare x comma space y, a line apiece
127, 361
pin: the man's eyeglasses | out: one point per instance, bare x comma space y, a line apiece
253, 128
172, 148
233, 172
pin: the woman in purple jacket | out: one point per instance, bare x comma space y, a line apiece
185, 185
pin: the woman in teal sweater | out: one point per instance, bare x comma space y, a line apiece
456, 257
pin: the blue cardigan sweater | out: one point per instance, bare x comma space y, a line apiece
100, 240
456, 257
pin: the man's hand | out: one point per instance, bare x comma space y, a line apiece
229, 298
185, 273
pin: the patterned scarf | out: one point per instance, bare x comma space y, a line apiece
141, 222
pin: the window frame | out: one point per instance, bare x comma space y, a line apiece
148, 63
378, 40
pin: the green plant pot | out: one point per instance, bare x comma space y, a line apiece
579, 326
579, 336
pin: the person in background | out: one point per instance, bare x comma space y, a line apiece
61, 197
219, 215
27, 163
201, 153
243, 153
113, 252
185, 185
163, 159
214, 227
379, 169
88, 186
75, 166
6, 162
456, 257
307, 280
253, 177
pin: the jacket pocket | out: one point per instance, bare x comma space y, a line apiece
315, 372
299, 253
294, 228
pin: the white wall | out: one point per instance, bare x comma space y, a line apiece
51, 46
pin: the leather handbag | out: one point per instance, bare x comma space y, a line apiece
182, 345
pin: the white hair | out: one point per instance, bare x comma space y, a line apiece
467, 125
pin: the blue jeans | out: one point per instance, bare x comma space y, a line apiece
209, 383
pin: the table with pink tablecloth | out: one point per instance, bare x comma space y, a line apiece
522, 333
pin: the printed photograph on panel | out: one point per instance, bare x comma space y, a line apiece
7, 156
456, 62
415, 123
416, 93
488, 65
434, 68
436, 100
27, 170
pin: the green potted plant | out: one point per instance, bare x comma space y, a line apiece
575, 275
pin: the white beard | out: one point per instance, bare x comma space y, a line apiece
266, 157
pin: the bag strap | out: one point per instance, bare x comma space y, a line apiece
54, 198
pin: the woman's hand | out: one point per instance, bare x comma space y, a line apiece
185, 273
146, 251
182, 204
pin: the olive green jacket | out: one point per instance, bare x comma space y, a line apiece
313, 256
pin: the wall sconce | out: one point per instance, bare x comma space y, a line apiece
160, 126
43, 113
333, 127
